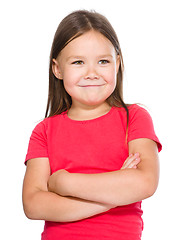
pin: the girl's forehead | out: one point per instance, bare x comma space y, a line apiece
89, 41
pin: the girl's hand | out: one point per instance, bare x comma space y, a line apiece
132, 161
54, 180
57, 182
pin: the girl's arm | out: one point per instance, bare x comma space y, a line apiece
120, 187
43, 205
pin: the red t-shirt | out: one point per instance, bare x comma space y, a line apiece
93, 146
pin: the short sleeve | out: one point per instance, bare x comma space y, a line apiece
37, 146
141, 125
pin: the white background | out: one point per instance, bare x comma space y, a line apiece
158, 43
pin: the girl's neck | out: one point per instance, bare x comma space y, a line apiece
81, 113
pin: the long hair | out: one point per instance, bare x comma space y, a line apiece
72, 26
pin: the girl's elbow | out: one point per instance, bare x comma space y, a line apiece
30, 209
29, 212
31, 215
145, 188
150, 187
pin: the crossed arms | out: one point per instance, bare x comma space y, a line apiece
66, 197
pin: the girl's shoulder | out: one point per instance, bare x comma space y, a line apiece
134, 110
43, 125
136, 107
139, 109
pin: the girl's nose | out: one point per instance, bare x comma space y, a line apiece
91, 73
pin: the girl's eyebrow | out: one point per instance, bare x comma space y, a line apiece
74, 57
82, 57
105, 56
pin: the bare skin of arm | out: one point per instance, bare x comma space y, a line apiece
121, 187
41, 204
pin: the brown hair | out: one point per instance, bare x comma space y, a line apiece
71, 27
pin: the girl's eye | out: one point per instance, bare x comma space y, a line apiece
103, 61
78, 62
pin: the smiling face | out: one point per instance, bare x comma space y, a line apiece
88, 66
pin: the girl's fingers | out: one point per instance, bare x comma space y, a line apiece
134, 163
130, 161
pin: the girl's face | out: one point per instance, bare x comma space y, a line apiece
88, 66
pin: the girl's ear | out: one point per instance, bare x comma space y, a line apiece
118, 61
56, 69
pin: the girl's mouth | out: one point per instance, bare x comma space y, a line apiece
92, 85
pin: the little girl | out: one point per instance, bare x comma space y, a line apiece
93, 159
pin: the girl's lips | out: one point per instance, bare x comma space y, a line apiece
92, 85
